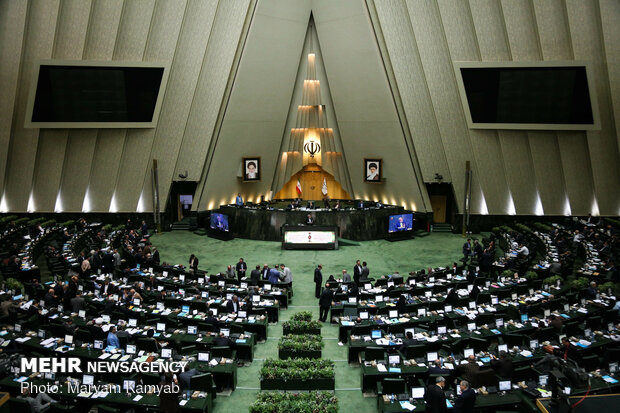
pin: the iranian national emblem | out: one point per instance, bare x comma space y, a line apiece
312, 148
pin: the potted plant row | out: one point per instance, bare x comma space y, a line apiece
300, 346
301, 323
297, 374
315, 402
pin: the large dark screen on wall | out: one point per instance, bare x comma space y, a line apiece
96, 94
553, 95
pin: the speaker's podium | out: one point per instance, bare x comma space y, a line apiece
310, 237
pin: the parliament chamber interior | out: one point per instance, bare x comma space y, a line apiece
275, 206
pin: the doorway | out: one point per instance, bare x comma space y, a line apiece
180, 201
184, 206
442, 201
438, 202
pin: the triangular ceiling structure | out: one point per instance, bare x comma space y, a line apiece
311, 134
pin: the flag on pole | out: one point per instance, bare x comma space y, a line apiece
324, 189
298, 187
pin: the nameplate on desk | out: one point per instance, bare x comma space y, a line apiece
394, 370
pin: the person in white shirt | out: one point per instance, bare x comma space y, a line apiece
524, 251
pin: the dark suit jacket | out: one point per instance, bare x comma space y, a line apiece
435, 399
231, 308
503, 367
365, 273
465, 402
326, 298
241, 267
255, 276
318, 276
357, 271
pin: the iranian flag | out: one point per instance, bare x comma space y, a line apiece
298, 187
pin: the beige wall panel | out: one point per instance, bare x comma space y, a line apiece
210, 88
411, 79
610, 16
69, 43
521, 29
460, 35
12, 27
135, 161
40, 31
548, 171
553, 30
76, 170
363, 103
490, 30
584, 19
49, 165
103, 30
577, 174
186, 66
259, 101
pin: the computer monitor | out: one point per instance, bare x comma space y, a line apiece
204, 294
442, 330
221, 283
166, 353
82, 313
502, 347
468, 352
613, 367
505, 385
242, 314
417, 392
430, 357
267, 287
393, 359
367, 286
499, 322
514, 296
472, 305
255, 298
410, 330
524, 318
50, 376
181, 277
428, 294
105, 318
344, 288
393, 314
225, 331
243, 285
379, 298
136, 301
390, 284
192, 330
375, 334
185, 308
161, 306
213, 310
68, 339
130, 349
421, 312
161, 327
471, 326
494, 300
41, 333
447, 309
88, 379
200, 281
129, 385
229, 296
566, 307
352, 300
364, 315
547, 312
203, 356
533, 344
132, 322
543, 380
412, 281
98, 345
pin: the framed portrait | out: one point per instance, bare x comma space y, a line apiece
372, 170
251, 169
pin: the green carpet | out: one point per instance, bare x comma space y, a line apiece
438, 249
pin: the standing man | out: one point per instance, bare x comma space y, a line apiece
465, 402
265, 272
239, 200
241, 268
357, 272
365, 272
346, 278
318, 280
286, 274
325, 302
255, 275
435, 397
467, 248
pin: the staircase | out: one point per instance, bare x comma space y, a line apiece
441, 228
186, 224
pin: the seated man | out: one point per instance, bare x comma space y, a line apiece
38, 403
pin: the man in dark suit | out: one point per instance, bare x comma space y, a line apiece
232, 306
318, 280
325, 302
78, 303
435, 397
223, 341
469, 370
255, 275
265, 272
211, 319
241, 269
467, 248
503, 366
436, 368
466, 401
365, 272
357, 272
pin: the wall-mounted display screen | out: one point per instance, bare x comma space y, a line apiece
95, 94
219, 222
402, 222
507, 95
